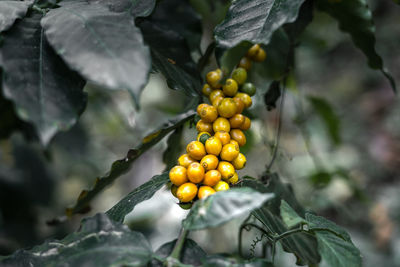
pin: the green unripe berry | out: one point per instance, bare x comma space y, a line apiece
239, 75
248, 88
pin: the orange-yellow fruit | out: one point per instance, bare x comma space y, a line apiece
206, 90
226, 169
221, 124
238, 136
203, 126
246, 124
223, 136
230, 88
213, 78
239, 162
237, 120
200, 107
178, 175
245, 63
184, 160
227, 108
239, 75
196, 150
245, 98
213, 146
260, 56
234, 142
186, 192
229, 152
209, 114
252, 52
209, 162
217, 101
221, 186
211, 178
234, 179
239, 104
205, 191
195, 172
214, 94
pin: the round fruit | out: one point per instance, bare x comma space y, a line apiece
217, 101
214, 94
195, 172
234, 143
249, 89
237, 120
234, 179
221, 124
213, 78
229, 152
221, 186
252, 52
239, 75
238, 136
186, 206
203, 126
184, 160
206, 89
209, 162
239, 104
239, 162
209, 114
211, 178
230, 88
246, 124
203, 136
219, 71
178, 175
223, 136
245, 98
260, 56
245, 63
186, 192
213, 146
227, 107
205, 191
196, 150
226, 169
174, 189
200, 107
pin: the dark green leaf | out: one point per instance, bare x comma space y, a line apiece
255, 20
328, 116
140, 194
289, 216
10, 11
104, 46
99, 242
296, 28
174, 148
45, 91
320, 222
321, 178
223, 207
121, 166
272, 95
355, 18
138, 8
229, 58
224, 261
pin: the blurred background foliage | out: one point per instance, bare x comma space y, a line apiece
339, 147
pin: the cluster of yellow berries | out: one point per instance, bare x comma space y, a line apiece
211, 161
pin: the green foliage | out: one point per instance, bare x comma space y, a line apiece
11, 11
224, 261
289, 216
174, 148
191, 252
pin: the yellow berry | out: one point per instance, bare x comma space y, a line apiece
239, 104
234, 179
217, 101
205, 191
245, 63
184, 160
214, 94
209, 114
213, 78
238, 136
213, 146
195, 172
260, 56
200, 107
178, 175
206, 90
237, 120
209, 162
251, 53
196, 150
239, 162
211, 178
221, 124
223, 136
246, 124
221, 186
203, 126
230, 88
229, 152
186, 192
245, 98
227, 108
239, 75
226, 169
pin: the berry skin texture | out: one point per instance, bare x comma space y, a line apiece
234, 179
229, 152
209, 162
184, 160
205, 191
239, 162
196, 150
238, 136
226, 169
209, 114
186, 192
178, 175
223, 136
221, 124
200, 107
213, 146
246, 124
239, 104
245, 63
211, 178
213, 78
252, 52
195, 172
227, 108
248, 88
260, 56
221, 186
217, 101
214, 94
230, 88
234, 142
203, 136
245, 98
237, 120
206, 90
239, 75
203, 126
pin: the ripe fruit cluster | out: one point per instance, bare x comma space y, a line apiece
211, 161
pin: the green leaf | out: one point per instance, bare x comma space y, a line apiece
225, 261
174, 148
222, 207
320, 178
45, 91
289, 216
355, 18
296, 28
103, 46
318, 222
255, 20
140, 194
328, 116
121, 166
100, 242
11, 11
137, 8
272, 95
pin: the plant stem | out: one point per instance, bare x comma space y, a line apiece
204, 59
176, 252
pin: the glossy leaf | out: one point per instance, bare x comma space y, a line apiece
138, 8
289, 216
255, 20
99, 242
174, 148
45, 91
355, 18
121, 166
11, 11
305, 16
105, 47
223, 206
140, 194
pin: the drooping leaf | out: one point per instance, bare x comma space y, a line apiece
105, 47
328, 116
318, 222
255, 20
225, 261
121, 166
355, 18
99, 242
174, 148
139, 194
137, 8
305, 16
11, 11
272, 95
289, 216
223, 207
45, 91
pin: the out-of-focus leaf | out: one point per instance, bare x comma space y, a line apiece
255, 20
11, 11
289, 216
305, 16
229, 58
121, 166
45, 91
328, 116
138, 8
174, 148
355, 18
224, 261
99, 242
320, 178
105, 47
223, 206
140, 194
272, 95
319, 222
